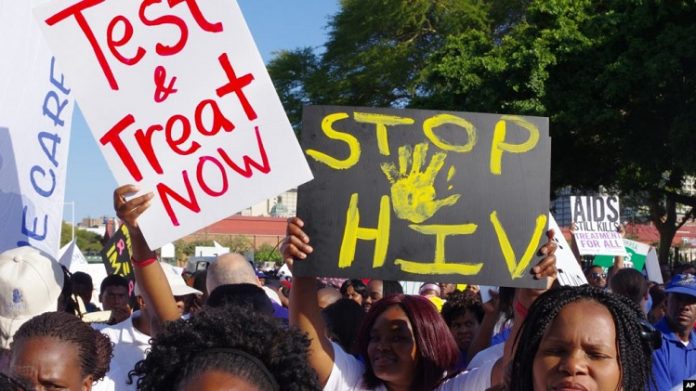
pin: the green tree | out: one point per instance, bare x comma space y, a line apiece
376, 53
617, 80
88, 242
267, 253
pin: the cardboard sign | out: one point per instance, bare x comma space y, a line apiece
116, 254
179, 100
421, 195
636, 253
569, 270
36, 108
596, 221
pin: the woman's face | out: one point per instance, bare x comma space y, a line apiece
47, 363
578, 351
353, 295
464, 328
392, 349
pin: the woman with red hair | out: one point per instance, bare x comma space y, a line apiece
403, 341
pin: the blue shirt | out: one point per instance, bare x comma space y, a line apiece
673, 362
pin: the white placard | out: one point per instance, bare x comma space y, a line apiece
652, 266
168, 251
179, 100
36, 108
596, 220
569, 270
210, 251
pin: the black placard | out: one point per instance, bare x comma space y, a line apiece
116, 254
418, 194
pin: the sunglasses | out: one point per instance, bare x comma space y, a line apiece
597, 276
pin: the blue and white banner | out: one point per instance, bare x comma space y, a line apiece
36, 109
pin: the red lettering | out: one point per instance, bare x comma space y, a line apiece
185, 133
219, 120
163, 91
161, 49
145, 142
191, 203
248, 162
235, 85
198, 16
113, 137
76, 11
201, 178
113, 44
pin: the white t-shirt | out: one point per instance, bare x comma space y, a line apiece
491, 353
347, 374
129, 348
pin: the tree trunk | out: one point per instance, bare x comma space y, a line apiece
663, 213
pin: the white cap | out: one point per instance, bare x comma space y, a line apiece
176, 282
30, 284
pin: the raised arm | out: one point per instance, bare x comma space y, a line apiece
304, 308
524, 297
148, 273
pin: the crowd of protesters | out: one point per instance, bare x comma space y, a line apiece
231, 327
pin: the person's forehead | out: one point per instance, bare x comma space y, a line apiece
116, 289
45, 359
392, 318
682, 297
463, 316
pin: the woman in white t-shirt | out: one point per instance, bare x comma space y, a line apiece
404, 341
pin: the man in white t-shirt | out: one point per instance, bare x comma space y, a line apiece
131, 338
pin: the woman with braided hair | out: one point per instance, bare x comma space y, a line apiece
57, 350
223, 348
583, 338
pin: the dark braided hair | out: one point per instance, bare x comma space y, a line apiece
94, 348
9, 383
254, 347
634, 352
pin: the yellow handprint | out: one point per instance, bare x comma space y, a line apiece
413, 193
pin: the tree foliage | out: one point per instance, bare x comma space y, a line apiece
88, 242
617, 80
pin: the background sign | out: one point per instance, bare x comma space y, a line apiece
636, 253
424, 195
116, 254
596, 221
569, 270
652, 267
36, 109
177, 96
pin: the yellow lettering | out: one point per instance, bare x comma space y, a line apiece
330, 132
516, 269
126, 268
382, 121
353, 232
433, 122
126, 233
439, 265
498, 146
